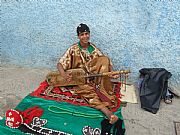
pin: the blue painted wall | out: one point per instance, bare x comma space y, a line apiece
133, 33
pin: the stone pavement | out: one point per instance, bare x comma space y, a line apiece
17, 82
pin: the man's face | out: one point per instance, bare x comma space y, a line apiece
84, 37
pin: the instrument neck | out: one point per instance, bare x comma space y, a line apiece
109, 73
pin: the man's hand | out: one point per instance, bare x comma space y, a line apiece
114, 76
67, 76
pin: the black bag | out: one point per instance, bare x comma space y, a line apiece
153, 87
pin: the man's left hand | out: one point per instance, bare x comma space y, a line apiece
114, 76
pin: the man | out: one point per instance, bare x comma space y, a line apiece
99, 93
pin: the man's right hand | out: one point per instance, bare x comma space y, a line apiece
67, 76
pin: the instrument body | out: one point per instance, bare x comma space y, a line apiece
79, 76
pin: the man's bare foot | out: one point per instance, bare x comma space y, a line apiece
113, 119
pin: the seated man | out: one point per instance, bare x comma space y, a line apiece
99, 93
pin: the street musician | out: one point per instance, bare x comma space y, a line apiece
85, 55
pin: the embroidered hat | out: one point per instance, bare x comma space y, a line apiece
82, 28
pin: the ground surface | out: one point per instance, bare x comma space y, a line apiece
17, 82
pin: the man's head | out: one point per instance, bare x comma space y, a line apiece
83, 33
82, 28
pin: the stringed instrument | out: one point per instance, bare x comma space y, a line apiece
79, 76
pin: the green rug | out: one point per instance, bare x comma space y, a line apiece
63, 117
